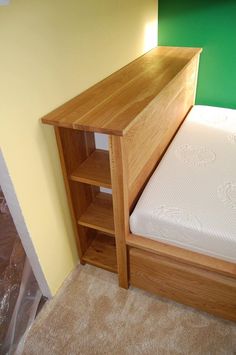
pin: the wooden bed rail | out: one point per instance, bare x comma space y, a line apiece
187, 257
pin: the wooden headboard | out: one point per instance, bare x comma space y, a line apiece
135, 154
151, 133
140, 107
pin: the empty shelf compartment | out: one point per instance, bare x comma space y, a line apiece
99, 214
94, 170
102, 253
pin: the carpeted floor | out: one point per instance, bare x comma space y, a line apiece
92, 315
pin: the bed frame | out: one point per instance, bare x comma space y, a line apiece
141, 108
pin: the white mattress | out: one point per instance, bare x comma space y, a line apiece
190, 200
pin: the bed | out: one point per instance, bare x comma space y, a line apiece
184, 249
190, 200
182, 243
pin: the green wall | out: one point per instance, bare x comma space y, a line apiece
210, 24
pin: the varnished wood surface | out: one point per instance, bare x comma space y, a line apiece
120, 205
202, 289
99, 214
94, 170
74, 147
152, 131
102, 253
113, 104
183, 255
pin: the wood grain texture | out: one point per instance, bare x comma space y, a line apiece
99, 214
202, 289
152, 131
74, 147
111, 105
120, 205
102, 253
183, 255
64, 166
94, 170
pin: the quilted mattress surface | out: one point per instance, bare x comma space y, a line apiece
190, 200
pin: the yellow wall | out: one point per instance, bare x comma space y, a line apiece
49, 52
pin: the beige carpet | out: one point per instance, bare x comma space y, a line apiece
92, 315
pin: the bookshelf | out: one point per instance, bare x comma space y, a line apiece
133, 106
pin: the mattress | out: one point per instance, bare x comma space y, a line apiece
190, 200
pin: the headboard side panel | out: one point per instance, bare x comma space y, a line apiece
150, 135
